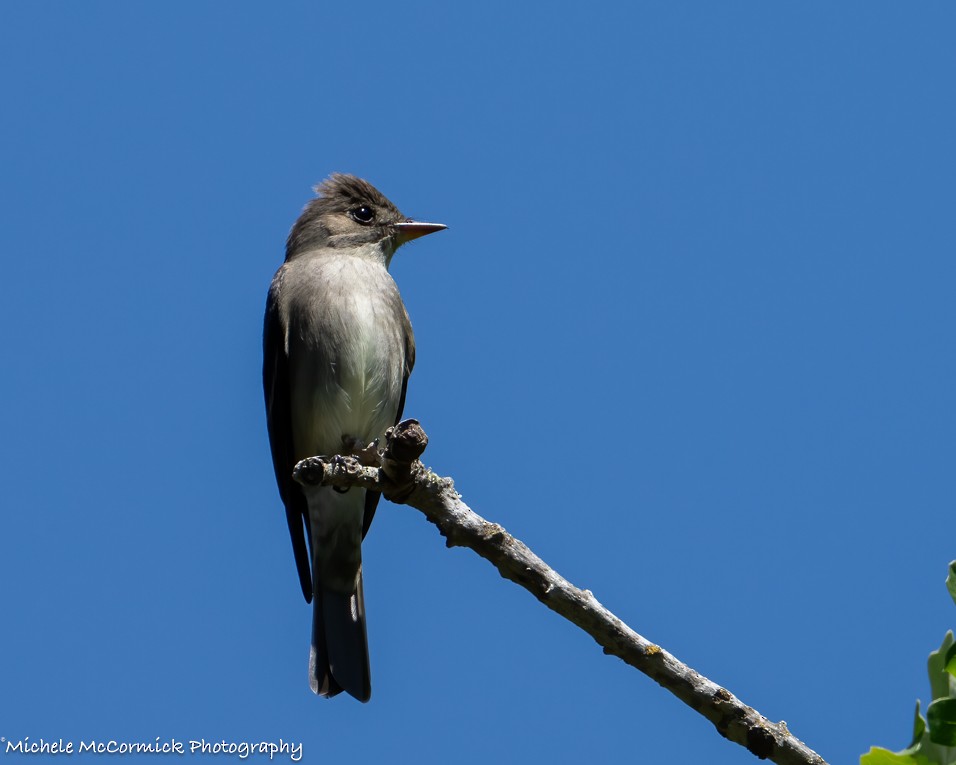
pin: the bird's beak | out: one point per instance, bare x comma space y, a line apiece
412, 229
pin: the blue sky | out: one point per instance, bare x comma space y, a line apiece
689, 336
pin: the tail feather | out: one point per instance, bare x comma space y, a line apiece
339, 657
320, 675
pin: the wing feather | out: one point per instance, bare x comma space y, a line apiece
275, 381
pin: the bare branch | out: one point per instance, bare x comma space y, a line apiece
402, 478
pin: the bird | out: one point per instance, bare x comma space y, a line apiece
338, 349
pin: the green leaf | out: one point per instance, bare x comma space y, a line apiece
941, 682
941, 718
919, 728
921, 752
934, 737
878, 756
949, 661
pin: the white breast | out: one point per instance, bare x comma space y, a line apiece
348, 359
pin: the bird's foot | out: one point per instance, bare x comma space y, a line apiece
369, 455
339, 460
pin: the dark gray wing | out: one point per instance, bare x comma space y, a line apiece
275, 382
372, 497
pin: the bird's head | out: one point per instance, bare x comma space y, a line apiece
351, 213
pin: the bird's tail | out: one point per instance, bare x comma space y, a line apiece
339, 657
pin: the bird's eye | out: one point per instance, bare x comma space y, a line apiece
362, 214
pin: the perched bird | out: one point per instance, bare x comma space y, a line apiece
338, 349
